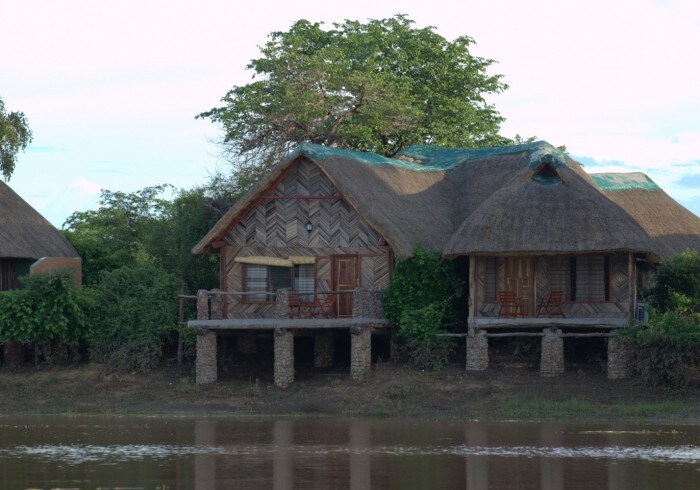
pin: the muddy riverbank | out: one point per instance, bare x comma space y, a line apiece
509, 392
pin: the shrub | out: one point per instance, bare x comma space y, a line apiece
48, 310
419, 301
677, 283
666, 347
136, 318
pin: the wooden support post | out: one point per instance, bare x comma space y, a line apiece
471, 322
631, 277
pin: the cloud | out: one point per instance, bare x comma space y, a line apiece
89, 188
692, 180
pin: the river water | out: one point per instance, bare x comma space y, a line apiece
328, 453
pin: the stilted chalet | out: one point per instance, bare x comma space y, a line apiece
541, 244
29, 243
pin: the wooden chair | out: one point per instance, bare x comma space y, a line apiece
552, 304
510, 305
326, 301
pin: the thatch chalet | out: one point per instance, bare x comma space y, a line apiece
539, 241
28, 242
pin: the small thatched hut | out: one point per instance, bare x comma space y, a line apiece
25, 237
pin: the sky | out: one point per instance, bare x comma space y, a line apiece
111, 88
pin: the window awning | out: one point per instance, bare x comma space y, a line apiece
276, 261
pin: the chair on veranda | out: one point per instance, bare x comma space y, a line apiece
327, 301
552, 304
510, 305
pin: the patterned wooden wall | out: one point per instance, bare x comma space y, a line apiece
279, 219
617, 308
277, 228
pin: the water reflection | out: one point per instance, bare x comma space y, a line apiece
332, 453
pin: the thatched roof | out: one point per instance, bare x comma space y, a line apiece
554, 211
24, 233
490, 200
671, 226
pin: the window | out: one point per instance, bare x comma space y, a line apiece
582, 278
491, 280
268, 279
7, 275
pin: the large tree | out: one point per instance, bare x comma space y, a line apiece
377, 86
15, 135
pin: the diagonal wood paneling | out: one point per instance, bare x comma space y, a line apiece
282, 222
374, 263
618, 308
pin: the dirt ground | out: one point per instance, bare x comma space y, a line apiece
510, 388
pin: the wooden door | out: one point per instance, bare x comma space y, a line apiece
520, 278
345, 278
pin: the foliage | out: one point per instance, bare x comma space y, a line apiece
671, 341
118, 232
48, 307
377, 86
422, 280
666, 347
15, 135
677, 283
145, 228
419, 300
136, 318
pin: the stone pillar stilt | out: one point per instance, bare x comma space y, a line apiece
216, 305
620, 357
323, 350
284, 358
202, 305
477, 351
245, 343
206, 357
281, 309
552, 360
360, 352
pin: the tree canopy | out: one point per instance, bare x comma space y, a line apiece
377, 86
15, 135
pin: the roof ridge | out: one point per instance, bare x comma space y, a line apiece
423, 158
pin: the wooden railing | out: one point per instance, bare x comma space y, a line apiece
288, 304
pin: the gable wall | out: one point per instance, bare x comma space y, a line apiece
276, 227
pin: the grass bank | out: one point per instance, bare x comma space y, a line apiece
507, 393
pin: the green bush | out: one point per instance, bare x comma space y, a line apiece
677, 283
419, 300
666, 347
136, 318
671, 341
47, 308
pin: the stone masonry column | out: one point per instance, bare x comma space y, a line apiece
323, 350
281, 309
217, 305
284, 358
477, 351
620, 356
206, 357
360, 352
552, 360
